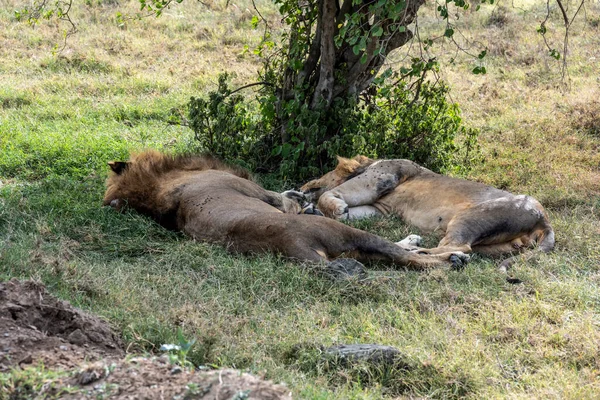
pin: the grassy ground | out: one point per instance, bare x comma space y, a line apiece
62, 117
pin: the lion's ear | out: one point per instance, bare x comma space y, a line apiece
118, 166
362, 160
346, 165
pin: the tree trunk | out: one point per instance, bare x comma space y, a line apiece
328, 71
324, 89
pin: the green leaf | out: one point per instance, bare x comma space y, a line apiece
254, 22
554, 54
482, 54
276, 151
363, 58
449, 32
377, 31
398, 8
542, 29
285, 151
443, 12
363, 43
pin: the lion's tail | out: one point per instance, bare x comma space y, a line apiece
545, 245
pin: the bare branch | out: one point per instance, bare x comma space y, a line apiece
251, 85
567, 24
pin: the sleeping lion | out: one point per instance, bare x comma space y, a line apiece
471, 216
213, 202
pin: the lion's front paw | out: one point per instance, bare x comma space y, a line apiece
337, 207
459, 260
333, 206
341, 211
294, 195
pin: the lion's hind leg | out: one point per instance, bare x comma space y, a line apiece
335, 239
500, 226
497, 249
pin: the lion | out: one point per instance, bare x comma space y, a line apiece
213, 202
471, 216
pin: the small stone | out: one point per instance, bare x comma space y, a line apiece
87, 377
95, 337
99, 388
176, 370
63, 348
6, 335
77, 337
27, 360
164, 359
373, 354
344, 269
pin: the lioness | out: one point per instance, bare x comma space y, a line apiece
213, 202
471, 215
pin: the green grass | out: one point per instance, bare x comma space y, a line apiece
28, 382
465, 334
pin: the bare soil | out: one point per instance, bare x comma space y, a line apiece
155, 378
36, 327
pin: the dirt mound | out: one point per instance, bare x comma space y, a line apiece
36, 326
153, 378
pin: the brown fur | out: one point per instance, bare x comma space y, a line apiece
214, 202
470, 215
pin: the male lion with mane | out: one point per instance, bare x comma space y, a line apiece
472, 216
213, 202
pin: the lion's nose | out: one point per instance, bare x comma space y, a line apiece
114, 203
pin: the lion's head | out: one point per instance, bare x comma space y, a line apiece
136, 182
346, 169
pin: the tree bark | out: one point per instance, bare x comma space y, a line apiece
313, 55
324, 89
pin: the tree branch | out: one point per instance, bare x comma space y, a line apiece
313, 54
250, 85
